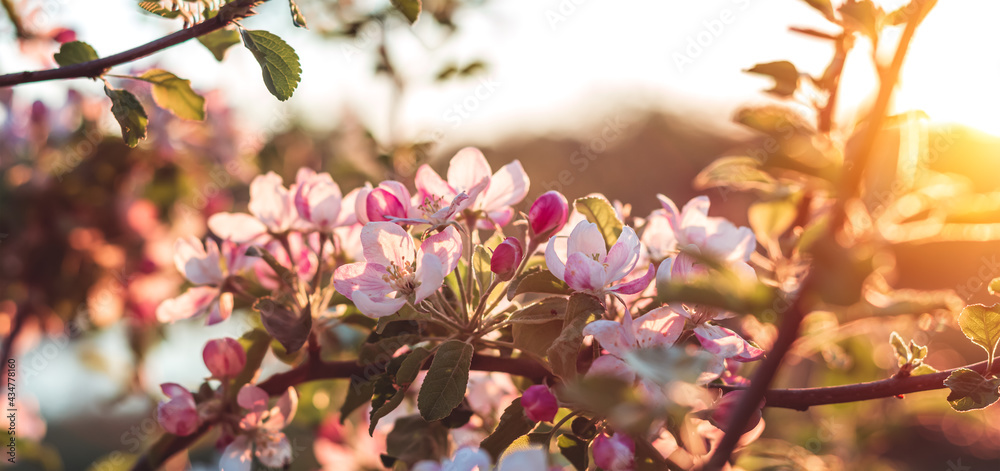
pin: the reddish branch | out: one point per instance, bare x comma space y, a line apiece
95, 68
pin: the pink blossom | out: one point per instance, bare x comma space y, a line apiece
614, 453
260, 431
179, 413
506, 258
272, 211
394, 269
585, 264
693, 229
660, 327
548, 214
318, 201
389, 200
224, 357
539, 403
469, 172
201, 266
303, 247
727, 405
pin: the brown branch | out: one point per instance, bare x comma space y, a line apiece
804, 398
92, 69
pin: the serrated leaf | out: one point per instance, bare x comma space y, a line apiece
411, 366
175, 94
278, 62
409, 8
75, 52
970, 390
285, 325
447, 378
598, 210
385, 399
413, 439
219, 41
129, 113
981, 324
541, 281
513, 424
902, 352
156, 9
297, 18
784, 73
580, 310
574, 449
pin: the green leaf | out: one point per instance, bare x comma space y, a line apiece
285, 325
409, 8
899, 346
917, 352
540, 312
75, 52
580, 310
537, 281
770, 219
784, 73
923, 369
981, 324
994, 287
738, 172
156, 9
970, 390
405, 314
130, 115
385, 399
444, 386
413, 439
219, 41
278, 62
411, 366
598, 210
175, 94
297, 18
359, 392
513, 424
823, 6
574, 449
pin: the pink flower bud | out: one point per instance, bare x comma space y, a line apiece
506, 258
382, 203
548, 214
727, 405
63, 35
179, 414
614, 453
539, 403
225, 358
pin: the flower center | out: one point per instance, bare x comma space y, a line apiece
402, 278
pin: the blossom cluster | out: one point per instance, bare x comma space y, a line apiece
456, 256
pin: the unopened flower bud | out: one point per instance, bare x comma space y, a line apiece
225, 358
548, 214
506, 258
727, 405
178, 414
614, 453
539, 403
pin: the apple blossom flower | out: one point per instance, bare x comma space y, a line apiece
318, 201
692, 229
394, 269
179, 413
389, 200
540, 405
506, 258
200, 264
615, 452
343, 446
548, 214
590, 267
224, 357
260, 431
660, 327
469, 172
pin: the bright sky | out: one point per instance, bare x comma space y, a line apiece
557, 63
